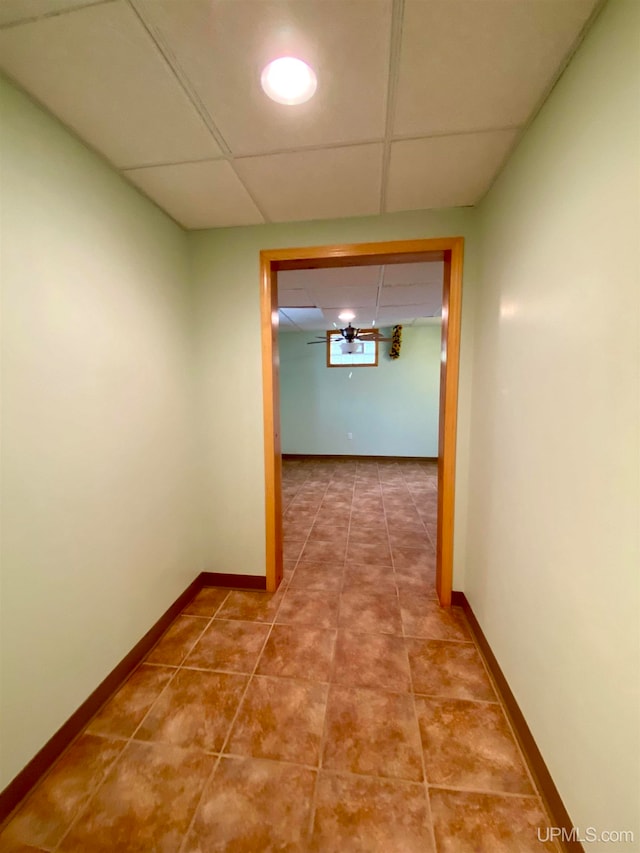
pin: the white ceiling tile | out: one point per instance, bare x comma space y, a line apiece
425, 271
99, 72
316, 184
305, 318
346, 297
223, 46
198, 195
405, 313
329, 277
428, 321
297, 298
409, 294
445, 171
24, 10
480, 64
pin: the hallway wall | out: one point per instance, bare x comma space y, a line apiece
552, 556
98, 525
226, 264
390, 410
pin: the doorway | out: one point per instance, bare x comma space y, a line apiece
450, 252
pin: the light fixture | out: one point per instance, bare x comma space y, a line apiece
351, 347
347, 316
288, 80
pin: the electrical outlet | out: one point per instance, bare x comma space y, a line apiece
349, 435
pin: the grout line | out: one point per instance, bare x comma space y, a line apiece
230, 728
422, 758
131, 737
505, 713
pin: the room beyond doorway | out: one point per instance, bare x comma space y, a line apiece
447, 250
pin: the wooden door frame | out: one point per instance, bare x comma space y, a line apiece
450, 251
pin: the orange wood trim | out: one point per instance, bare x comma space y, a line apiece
449, 249
271, 418
449, 371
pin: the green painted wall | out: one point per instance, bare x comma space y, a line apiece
226, 276
98, 524
553, 561
390, 410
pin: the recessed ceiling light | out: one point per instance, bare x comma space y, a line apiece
346, 316
288, 80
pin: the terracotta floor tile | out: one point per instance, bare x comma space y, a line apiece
251, 606
372, 553
372, 579
451, 670
319, 550
206, 602
414, 584
372, 732
146, 802
228, 645
372, 660
469, 745
326, 532
196, 709
296, 530
368, 518
280, 719
368, 535
333, 518
487, 823
309, 607
178, 641
397, 520
422, 616
318, 576
122, 715
414, 558
50, 809
299, 515
298, 651
370, 816
253, 805
410, 539
368, 503
370, 612
292, 548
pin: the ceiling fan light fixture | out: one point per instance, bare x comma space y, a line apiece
352, 347
289, 81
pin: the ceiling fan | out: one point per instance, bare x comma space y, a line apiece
350, 335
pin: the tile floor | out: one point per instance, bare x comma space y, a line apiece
346, 712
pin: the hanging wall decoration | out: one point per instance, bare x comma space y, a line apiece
396, 338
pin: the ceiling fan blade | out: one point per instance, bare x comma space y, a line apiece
317, 342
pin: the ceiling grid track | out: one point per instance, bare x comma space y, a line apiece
182, 79
56, 13
395, 45
379, 294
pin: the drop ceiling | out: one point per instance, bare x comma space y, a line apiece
409, 293
419, 102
